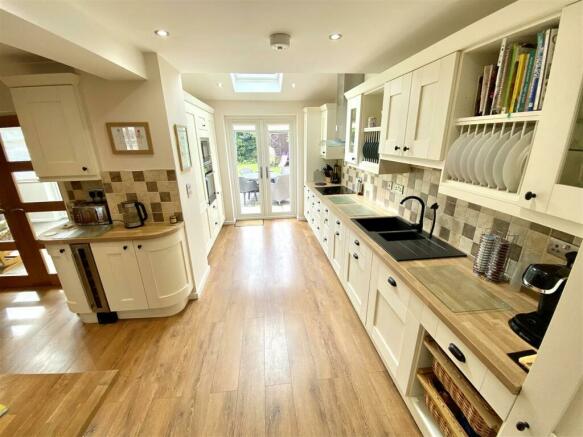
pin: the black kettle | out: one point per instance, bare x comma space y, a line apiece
134, 214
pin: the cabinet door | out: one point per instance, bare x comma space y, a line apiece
118, 268
165, 270
338, 239
394, 115
431, 92
55, 130
555, 167
358, 258
352, 129
69, 277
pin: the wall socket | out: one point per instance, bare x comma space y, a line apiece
559, 248
398, 188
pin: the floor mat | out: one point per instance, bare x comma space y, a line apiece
242, 223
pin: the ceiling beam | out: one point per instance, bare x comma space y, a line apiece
58, 32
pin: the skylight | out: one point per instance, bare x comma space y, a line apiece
257, 82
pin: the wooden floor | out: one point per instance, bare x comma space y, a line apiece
272, 348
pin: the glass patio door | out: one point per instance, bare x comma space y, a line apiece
263, 180
28, 207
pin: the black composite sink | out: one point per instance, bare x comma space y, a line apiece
403, 243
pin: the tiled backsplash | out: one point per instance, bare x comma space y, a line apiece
156, 189
458, 222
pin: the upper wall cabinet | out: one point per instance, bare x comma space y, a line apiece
353, 125
415, 111
329, 147
54, 127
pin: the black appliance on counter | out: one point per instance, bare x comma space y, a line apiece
340, 189
549, 280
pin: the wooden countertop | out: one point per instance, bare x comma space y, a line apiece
486, 333
115, 233
52, 404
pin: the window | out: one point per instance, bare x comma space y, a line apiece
257, 82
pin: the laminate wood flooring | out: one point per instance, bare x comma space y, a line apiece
273, 347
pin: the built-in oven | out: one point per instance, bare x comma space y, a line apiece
209, 179
205, 148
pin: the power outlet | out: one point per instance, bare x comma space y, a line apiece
398, 188
389, 185
559, 248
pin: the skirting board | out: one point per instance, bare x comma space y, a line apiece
140, 314
197, 291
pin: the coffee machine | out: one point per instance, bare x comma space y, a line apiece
549, 280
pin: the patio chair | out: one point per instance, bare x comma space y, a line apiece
248, 187
280, 189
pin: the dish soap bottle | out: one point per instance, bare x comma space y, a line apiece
359, 186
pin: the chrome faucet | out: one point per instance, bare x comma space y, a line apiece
418, 226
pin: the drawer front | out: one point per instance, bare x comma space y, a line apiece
394, 290
355, 245
358, 264
468, 363
497, 395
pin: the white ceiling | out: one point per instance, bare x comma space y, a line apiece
223, 36
308, 87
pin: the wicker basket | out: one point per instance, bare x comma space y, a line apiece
443, 424
472, 415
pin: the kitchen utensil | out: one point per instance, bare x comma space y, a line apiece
497, 264
549, 280
511, 171
501, 159
491, 156
134, 214
485, 250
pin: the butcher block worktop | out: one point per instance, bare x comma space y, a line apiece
485, 332
95, 234
60, 404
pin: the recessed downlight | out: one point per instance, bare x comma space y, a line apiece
220, 84
162, 33
293, 84
335, 36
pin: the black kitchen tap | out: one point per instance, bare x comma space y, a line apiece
418, 226
434, 208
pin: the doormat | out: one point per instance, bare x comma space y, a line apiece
243, 223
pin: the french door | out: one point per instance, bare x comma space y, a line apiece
263, 166
28, 207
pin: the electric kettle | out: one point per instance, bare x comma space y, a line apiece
134, 214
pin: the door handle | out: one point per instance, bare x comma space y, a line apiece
457, 353
17, 210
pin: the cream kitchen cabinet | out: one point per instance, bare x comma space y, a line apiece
394, 115
358, 260
164, 267
56, 131
69, 277
337, 245
353, 125
329, 149
120, 275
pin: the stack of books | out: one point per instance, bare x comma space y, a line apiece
518, 82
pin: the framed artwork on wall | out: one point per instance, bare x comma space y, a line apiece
183, 146
130, 138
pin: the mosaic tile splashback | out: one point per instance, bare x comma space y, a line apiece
460, 223
156, 189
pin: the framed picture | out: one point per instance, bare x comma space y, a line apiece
183, 147
130, 138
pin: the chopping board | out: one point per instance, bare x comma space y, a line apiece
458, 289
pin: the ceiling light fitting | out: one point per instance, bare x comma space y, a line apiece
162, 33
335, 36
279, 41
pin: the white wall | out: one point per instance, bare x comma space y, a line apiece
256, 108
173, 99
119, 101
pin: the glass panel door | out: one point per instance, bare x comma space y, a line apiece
28, 207
279, 177
248, 168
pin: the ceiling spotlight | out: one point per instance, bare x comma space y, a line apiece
220, 84
162, 33
293, 84
279, 41
335, 36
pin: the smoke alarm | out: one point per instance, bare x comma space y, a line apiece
279, 41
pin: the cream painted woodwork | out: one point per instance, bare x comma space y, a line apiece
358, 262
328, 132
392, 326
429, 104
394, 115
69, 277
560, 126
353, 125
195, 152
312, 159
56, 132
120, 275
164, 266
337, 244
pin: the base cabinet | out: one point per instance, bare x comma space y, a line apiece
120, 275
358, 259
70, 281
164, 267
337, 244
